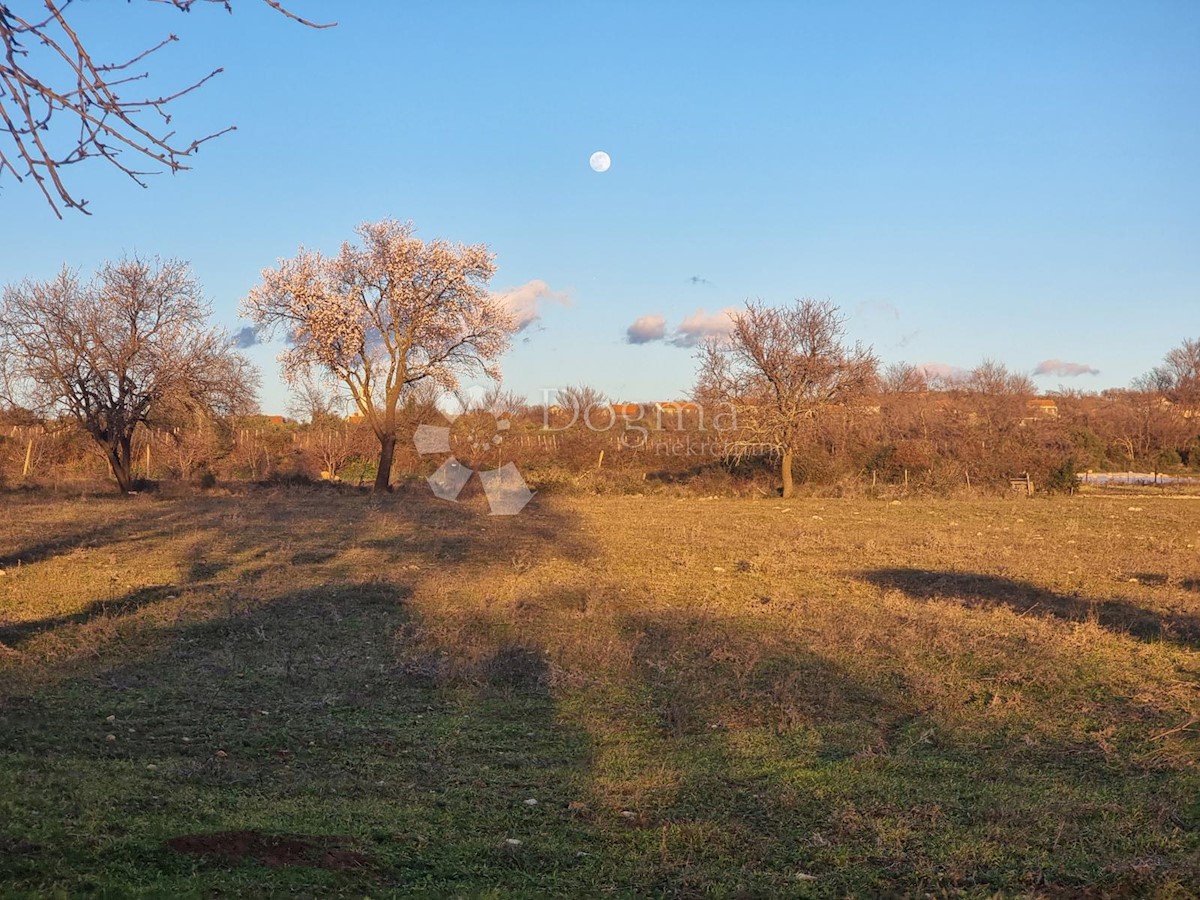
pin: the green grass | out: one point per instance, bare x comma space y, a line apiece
728, 698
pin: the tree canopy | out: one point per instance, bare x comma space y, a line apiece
132, 346
779, 368
384, 316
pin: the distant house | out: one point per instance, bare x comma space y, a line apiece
677, 407
1045, 407
626, 410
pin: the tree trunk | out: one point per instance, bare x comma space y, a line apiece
785, 469
383, 477
119, 454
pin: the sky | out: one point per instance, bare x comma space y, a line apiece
1015, 180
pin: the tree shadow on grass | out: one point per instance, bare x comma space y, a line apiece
296, 719
297, 716
14, 633
980, 590
447, 534
154, 525
778, 763
783, 765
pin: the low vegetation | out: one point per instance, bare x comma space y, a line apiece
285, 691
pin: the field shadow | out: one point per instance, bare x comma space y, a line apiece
745, 731
715, 672
13, 634
268, 709
979, 590
279, 717
154, 526
449, 534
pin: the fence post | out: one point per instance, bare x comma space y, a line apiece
28, 459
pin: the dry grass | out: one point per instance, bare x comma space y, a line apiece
705, 697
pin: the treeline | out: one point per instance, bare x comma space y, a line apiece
974, 435
124, 372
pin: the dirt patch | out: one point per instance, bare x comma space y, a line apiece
274, 850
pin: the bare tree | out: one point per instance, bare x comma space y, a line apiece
993, 379
503, 402
317, 400
48, 77
1178, 378
904, 378
581, 401
997, 396
335, 445
779, 369
131, 347
385, 316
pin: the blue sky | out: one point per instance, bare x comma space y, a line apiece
966, 180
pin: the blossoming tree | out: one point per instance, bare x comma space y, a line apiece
384, 316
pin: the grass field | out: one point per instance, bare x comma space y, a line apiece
313, 692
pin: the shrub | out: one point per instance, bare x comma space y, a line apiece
1167, 459
1064, 479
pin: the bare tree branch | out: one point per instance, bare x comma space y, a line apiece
48, 74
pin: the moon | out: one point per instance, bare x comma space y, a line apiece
599, 161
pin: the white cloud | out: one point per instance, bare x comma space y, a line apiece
701, 326
696, 328
646, 329
523, 302
1064, 369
